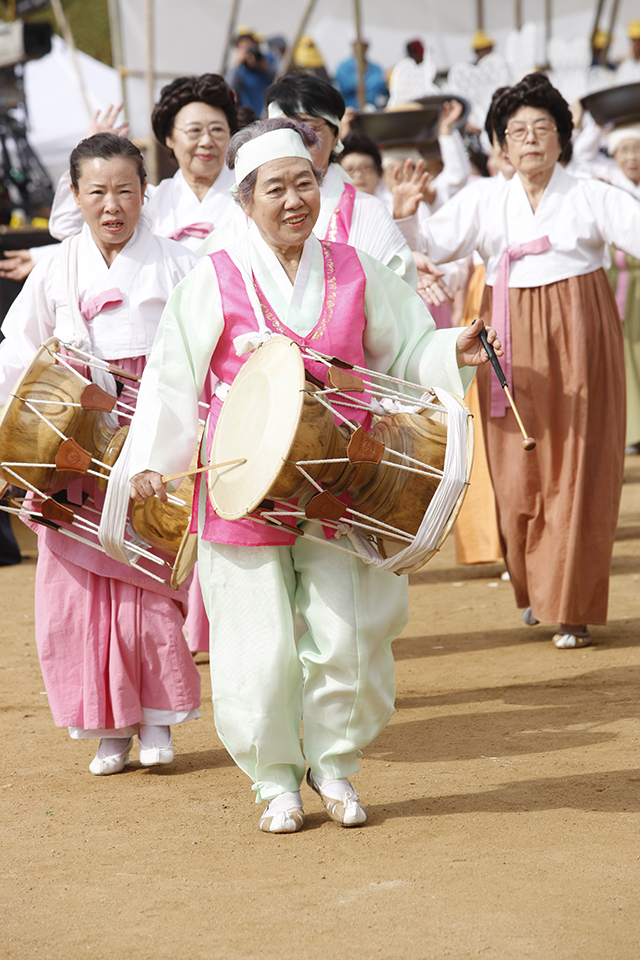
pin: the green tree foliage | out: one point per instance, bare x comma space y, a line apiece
89, 21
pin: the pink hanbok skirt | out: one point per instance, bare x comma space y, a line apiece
108, 648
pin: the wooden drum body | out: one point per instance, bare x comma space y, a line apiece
49, 398
285, 430
53, 431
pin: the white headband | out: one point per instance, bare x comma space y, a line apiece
273, 145
617, 136
274, 110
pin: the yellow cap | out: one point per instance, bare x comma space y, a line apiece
306, 54
633, 30
480, 40
600, 39
244, 31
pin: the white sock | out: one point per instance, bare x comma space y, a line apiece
285, 801
335, 789
150, 736
111, 747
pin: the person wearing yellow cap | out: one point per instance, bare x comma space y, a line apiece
482, 44
600, 43
307, 57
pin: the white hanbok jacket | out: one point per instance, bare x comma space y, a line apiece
170, 206
580, 217
145, 271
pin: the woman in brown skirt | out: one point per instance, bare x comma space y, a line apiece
542, 236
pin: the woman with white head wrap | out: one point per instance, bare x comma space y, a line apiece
338, 678
346, 215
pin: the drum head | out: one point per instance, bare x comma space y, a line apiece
258, 421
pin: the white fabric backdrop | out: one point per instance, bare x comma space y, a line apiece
57, 115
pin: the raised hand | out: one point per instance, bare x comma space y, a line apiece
106, 123
451, 113
408, 189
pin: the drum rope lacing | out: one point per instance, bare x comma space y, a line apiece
113, 530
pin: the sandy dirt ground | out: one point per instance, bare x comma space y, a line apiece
504, 805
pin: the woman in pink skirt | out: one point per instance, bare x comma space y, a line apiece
113, 656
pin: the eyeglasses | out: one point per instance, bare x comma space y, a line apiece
362, 168
315, 125
215, 131
540, 128
628, 148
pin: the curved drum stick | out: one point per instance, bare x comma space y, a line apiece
192, 473
528, 443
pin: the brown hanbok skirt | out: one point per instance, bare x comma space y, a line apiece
558, 505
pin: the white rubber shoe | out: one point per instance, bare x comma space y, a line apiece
569, 641
112, 757
339, 799
284, 814
156, 745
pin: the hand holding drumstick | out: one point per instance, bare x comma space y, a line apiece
149, 483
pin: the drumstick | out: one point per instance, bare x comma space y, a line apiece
192, 473
528, 443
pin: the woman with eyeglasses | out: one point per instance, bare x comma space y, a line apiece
194, 118
542, 236
347, 215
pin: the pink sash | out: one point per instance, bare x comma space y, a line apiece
338, 332
501, 316
340, 223
200, 230
91, 308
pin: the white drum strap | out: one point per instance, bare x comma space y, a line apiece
116, 507
442, 502
82, 334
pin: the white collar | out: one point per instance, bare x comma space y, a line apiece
292, 292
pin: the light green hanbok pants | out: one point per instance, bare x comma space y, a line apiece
338, 678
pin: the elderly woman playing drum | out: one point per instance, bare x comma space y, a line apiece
109, 637
338, 679
542, 236
194, 118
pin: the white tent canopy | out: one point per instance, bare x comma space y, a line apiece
57, 113
190, 36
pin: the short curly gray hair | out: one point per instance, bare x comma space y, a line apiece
257, 129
